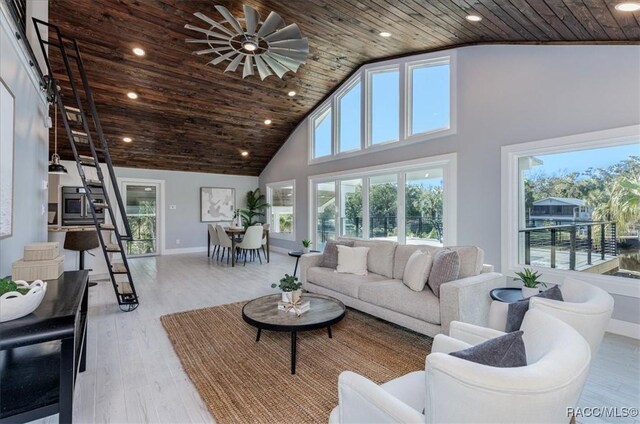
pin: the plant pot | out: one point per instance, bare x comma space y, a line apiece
305, 250
292, 296
527, 292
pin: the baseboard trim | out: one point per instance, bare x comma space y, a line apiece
183, 250
278, 249
624, 328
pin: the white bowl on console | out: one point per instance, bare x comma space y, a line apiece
14, 305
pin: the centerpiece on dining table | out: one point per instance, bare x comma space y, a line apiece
291, 295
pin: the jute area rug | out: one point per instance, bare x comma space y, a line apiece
244, 381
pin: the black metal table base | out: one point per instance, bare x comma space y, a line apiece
294, 345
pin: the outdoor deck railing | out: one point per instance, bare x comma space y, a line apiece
589, 238
384, 226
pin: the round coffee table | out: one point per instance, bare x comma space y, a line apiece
263, 313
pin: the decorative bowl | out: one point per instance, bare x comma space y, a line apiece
14, 305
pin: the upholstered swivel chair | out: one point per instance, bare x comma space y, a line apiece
586, 308
454, 390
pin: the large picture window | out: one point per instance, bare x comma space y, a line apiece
411, 202
430, 95
281, 216
575, 206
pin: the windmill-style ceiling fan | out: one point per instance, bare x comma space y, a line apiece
269, 45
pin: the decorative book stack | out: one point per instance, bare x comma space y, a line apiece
300, 308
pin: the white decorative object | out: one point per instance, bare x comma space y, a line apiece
217, 204
14, 305
292, 296
527, 292
305, 250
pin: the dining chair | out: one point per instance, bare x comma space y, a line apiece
251, 242
225, 242
265, 227
213, 240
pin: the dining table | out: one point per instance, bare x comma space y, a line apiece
235, 234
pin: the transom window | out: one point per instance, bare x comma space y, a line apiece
430, 95
322, 139
384, 106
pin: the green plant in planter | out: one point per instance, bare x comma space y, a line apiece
306, 243
530, 278
288, 283
256, 205
7, 285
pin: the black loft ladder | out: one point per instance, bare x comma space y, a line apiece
75, 110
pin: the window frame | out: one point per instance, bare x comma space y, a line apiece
510, 207
408, 122
368, 104
343, 91
270, 187
324, 110
448, 163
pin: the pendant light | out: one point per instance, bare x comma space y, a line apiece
55, 167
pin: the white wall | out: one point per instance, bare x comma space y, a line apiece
30, 150
506, 95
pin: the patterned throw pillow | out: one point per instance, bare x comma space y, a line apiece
517, 310
445, 268
330, 254
504, 352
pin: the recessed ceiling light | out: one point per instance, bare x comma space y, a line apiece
628, 6
245, 153
267, 121
473, 18
385, 34
127, 139
291, 93
132, 95
138, 51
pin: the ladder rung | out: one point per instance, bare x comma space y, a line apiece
100, 205
110, 247
124, 288
94, 183
80, 137
118, 268
107, 227
73, 114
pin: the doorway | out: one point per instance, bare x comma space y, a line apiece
142, 204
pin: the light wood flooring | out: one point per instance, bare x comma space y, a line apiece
134, 376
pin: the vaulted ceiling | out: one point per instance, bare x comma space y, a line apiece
193, 117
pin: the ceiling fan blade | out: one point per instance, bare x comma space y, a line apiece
277, 67
248, 67
234, 64
222, 58
301, 44
206, 31
251, 19
300, 57
213, 23
287, 33
229, 17
263, 69
292, 64
272, 23
196, 41
217, 49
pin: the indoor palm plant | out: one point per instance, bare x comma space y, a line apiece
530, 282
291, 289
256, 205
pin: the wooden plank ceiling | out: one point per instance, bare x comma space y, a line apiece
193, 117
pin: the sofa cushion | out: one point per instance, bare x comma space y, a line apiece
445, 268
330, 254
352, 260
417, 270
381, 255
346, 284
394, 295
471, 258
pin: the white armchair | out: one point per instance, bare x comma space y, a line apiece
453, 390
586, 308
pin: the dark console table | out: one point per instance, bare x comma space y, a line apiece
41, 353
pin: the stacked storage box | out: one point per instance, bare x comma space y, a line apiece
41, 261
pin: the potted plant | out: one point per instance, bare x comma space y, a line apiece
290, 287
306, 244
256, 205
530, 281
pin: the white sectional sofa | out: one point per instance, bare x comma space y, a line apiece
382, 293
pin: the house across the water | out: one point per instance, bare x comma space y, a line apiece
558, 211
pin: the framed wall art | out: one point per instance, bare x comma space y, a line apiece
217, 204
7, 147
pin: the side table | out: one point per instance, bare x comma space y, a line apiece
296, 254
507, 294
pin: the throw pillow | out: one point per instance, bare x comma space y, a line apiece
330, 254
352, 260
416, 271
517, 310
445, 268
504, 352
